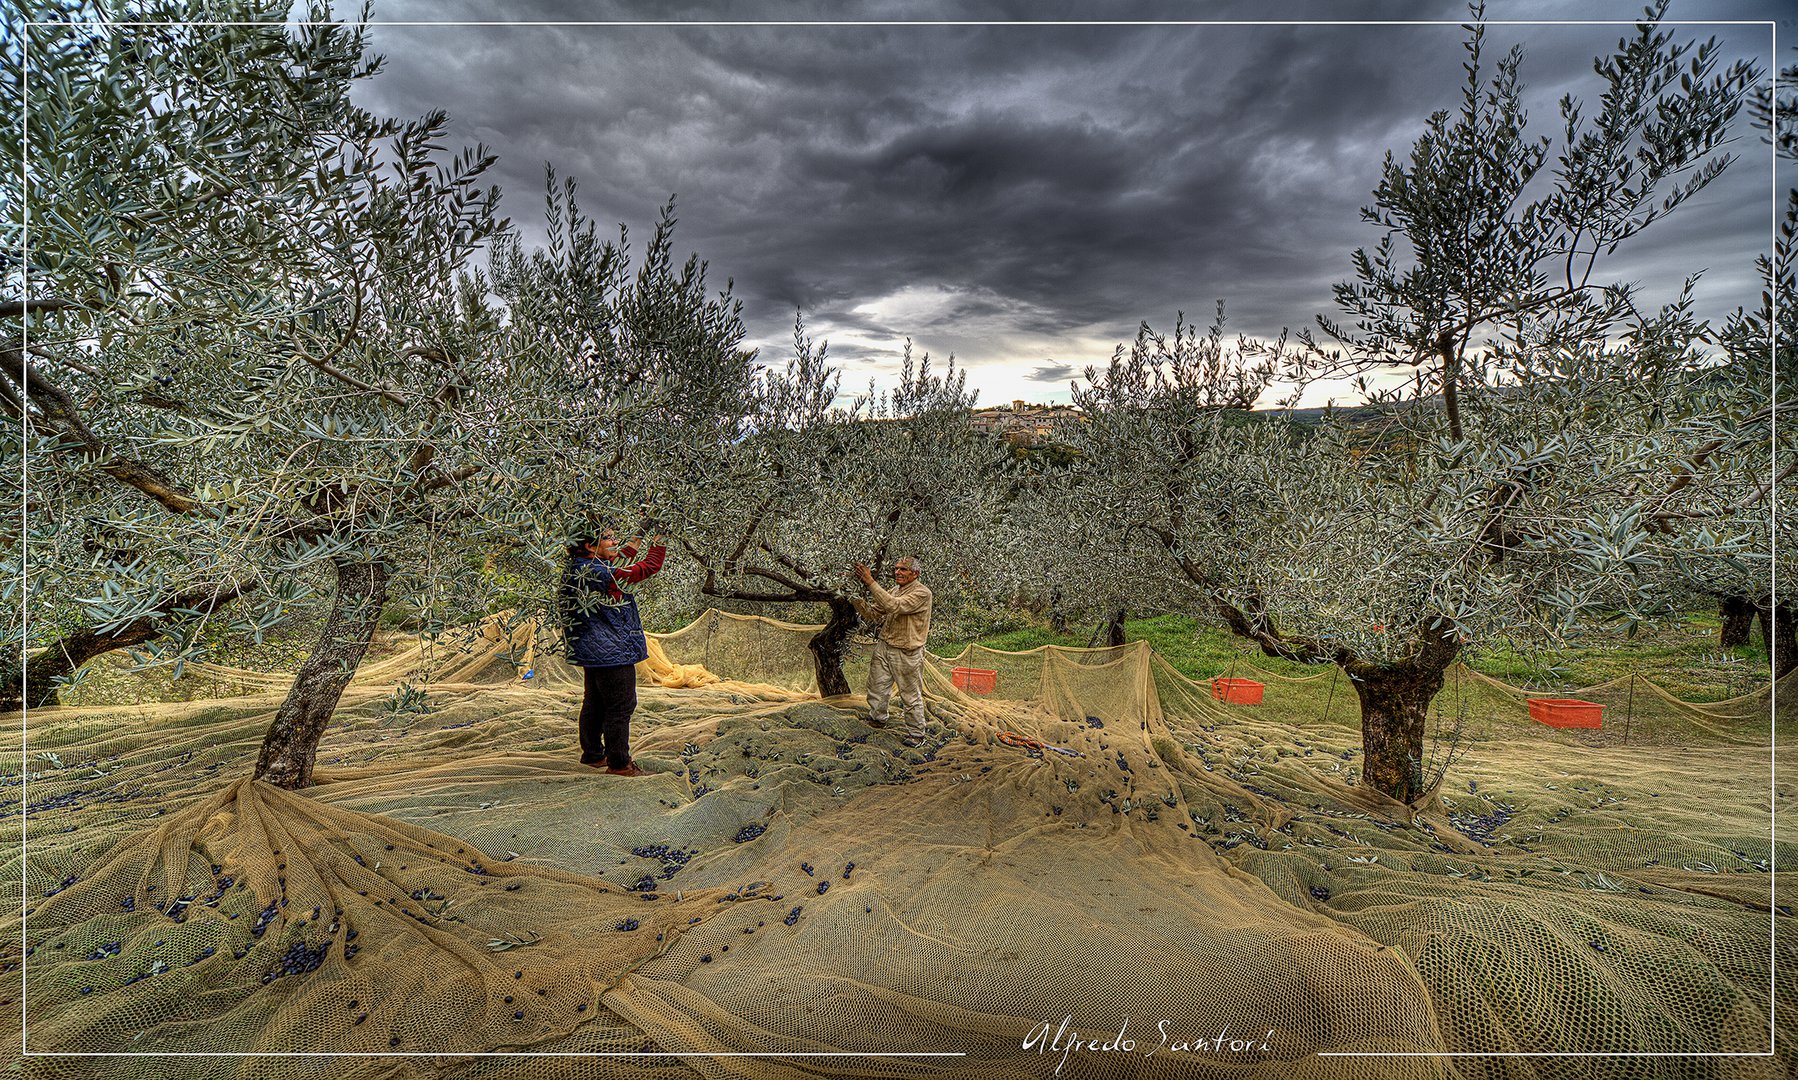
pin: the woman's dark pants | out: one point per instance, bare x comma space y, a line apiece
611, 697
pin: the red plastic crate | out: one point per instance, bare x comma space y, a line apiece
974, 680
1566, 712
1237, 691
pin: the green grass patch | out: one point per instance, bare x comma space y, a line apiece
1194, 649
1681, 656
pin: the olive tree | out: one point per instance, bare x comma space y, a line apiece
1368, 544
1067, 538
814, 487
627, 384
164, 201
1758, 384
259, 362
152, 183
1517, 500
254, 353
1488, 232
1746, 457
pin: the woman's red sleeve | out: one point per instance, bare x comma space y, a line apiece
643, 567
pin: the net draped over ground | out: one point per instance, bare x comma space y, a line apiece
794, 882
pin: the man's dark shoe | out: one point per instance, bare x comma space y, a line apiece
628, 770
876, 723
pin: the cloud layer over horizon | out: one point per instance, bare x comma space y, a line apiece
1019, 195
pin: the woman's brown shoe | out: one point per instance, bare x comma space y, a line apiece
628, 770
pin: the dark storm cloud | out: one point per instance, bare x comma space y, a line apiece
985, 189
1053, 373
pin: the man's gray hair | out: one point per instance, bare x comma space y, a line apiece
912, 561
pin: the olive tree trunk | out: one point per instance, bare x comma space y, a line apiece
1115, 630
1395, 702
1394, 708
291, 746
1737, 613
1779, 632
828, 646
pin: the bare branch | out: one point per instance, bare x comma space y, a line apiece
777, 578
66, 361
350, 380
60, 411
764, 598
15, 309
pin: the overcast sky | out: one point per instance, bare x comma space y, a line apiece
1020, 196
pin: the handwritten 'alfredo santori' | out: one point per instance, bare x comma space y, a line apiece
1046, 1040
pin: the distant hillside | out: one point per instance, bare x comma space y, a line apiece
1354, 415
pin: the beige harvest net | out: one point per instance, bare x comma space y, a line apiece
1094, 869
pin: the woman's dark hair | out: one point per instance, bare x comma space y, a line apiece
589, 537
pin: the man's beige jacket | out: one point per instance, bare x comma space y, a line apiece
903, 614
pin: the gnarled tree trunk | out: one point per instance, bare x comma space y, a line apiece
1394, 707
828, 646
1737, 613
1395, 696
291, 746
1395, 702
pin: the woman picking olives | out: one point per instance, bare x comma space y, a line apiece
605, 639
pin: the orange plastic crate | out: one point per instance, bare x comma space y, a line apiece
1566, 712
974, 680
1237, 691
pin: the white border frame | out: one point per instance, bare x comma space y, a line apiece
24, 521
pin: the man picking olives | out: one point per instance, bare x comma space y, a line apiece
904, 619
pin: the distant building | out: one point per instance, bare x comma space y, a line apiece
1026, 424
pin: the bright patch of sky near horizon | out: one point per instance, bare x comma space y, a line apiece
1019, 196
